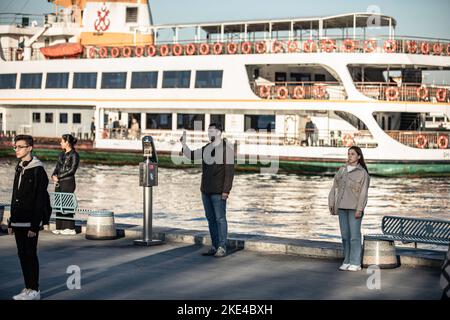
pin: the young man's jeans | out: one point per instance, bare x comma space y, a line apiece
27, 251
215, 210
351, 236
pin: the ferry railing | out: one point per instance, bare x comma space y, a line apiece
422, 139
308, 90
415, 92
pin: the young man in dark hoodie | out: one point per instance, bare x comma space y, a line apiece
217, 179
27, 212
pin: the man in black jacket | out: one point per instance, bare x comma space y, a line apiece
217, 179
27, 212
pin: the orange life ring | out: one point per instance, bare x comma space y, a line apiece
103, 52
441, 95
126, 52
421, 141
282, 92
246, 47
277, 46
298, 92
261, 47
437, 49
390, 46
151, 50
448, 49
264, 91
349, 45
115, 52
190, 49
319, 91
292, 46
92, 52
309, 46
177, 49
442, 142
232, 48
139, 51
422, 92
392, 93
425, 48
348, 140
105, 134
164, 50
204, 49
370, 46
218, 48
412, 46
328, 45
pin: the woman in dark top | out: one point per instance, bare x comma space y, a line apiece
64, 178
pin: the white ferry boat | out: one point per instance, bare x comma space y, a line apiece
301, 90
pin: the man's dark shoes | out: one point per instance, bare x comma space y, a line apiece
212, 251
221, 252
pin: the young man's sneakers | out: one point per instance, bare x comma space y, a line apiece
211, 251
344, 266
221, 252
28, 294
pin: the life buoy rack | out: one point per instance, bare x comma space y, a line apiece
177, 49
151, 50
442, 142
319, 91
390, 46
412, 46
232, 48
441, 95
164, 50
348, 140
298, 92
264, 91
204, 49
282, 92
422, 92
277, 46
218, 48
92, 52
349, 45
370, 46
421, 141
190, 49
292, 46
103, 52
328, 45
425, 48
105, 134
115, 52
261, 47
139, 51
126, 52
309, 46
392, 93
437, 49
246, 47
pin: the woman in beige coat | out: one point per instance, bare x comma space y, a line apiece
348, 198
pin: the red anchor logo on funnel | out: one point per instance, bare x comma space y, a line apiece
102, 23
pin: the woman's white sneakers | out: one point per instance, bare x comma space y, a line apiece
349, 267
344, 266
65, 232
28, 294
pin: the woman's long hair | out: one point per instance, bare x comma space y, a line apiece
70, 139
361, 160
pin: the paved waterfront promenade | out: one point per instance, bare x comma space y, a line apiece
117, 269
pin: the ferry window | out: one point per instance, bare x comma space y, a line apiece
218, 118
140, 80
159, 121
85, 80
57, 81
8, 81
209, 79
114, 80
191, 121
259, 122
440, 119
36, 117
63, 118
31, 81
76, 118
176, 79
49, 118
132, 15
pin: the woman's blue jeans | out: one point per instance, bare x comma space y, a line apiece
351, 236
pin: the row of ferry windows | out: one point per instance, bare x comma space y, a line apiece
63, 117
114, 80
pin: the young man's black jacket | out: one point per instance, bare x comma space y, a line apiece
29, 196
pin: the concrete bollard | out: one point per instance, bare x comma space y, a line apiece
381, 253
5, 214
100, 226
